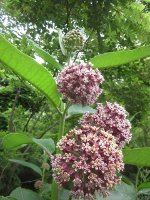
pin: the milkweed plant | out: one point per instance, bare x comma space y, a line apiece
88, 159
89, 156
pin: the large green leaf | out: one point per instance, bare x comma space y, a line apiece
120, 57
63, 194
7, 198
121, 192
144, 185
46, 190
25, 194
148, 1
47, 144
29, 69
28, 164
43, 54
14, 140
145, 191
137, 156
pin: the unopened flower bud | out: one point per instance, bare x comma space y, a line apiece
73, 40
45, 166
38, 184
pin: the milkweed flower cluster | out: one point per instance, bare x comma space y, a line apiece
91, 155
112, 119
80, 84
89, 162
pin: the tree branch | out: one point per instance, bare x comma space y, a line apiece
36, 121
31, 115
11, 127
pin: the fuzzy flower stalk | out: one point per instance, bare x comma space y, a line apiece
79, 83
89, 162
112, 118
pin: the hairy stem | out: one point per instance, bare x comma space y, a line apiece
54, 194
43, 171
137, 178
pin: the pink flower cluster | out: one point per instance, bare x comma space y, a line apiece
112, 119
89, 162
80, 84
90, 155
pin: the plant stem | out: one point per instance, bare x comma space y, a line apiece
54, 194
137, 178
61, 127
43, 171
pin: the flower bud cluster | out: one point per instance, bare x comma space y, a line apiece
89, 162
73, 40
80, 84
38, 184
112, 119
45, 166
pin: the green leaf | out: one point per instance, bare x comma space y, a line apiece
148, 1
145, 191
7, 198
132, 117
144, 185
112, 59
79, 109
46, 191
25, 194
61, 42
43, 54
29, 69
14, 140
121, 192
125, 179
28, 164
137, 156
63, 194
47, 144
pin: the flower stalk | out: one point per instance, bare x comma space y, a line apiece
64, 108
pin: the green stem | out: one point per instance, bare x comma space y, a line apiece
61, 127
137, 179
70, 198
43, 175
54, 194
43, 171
